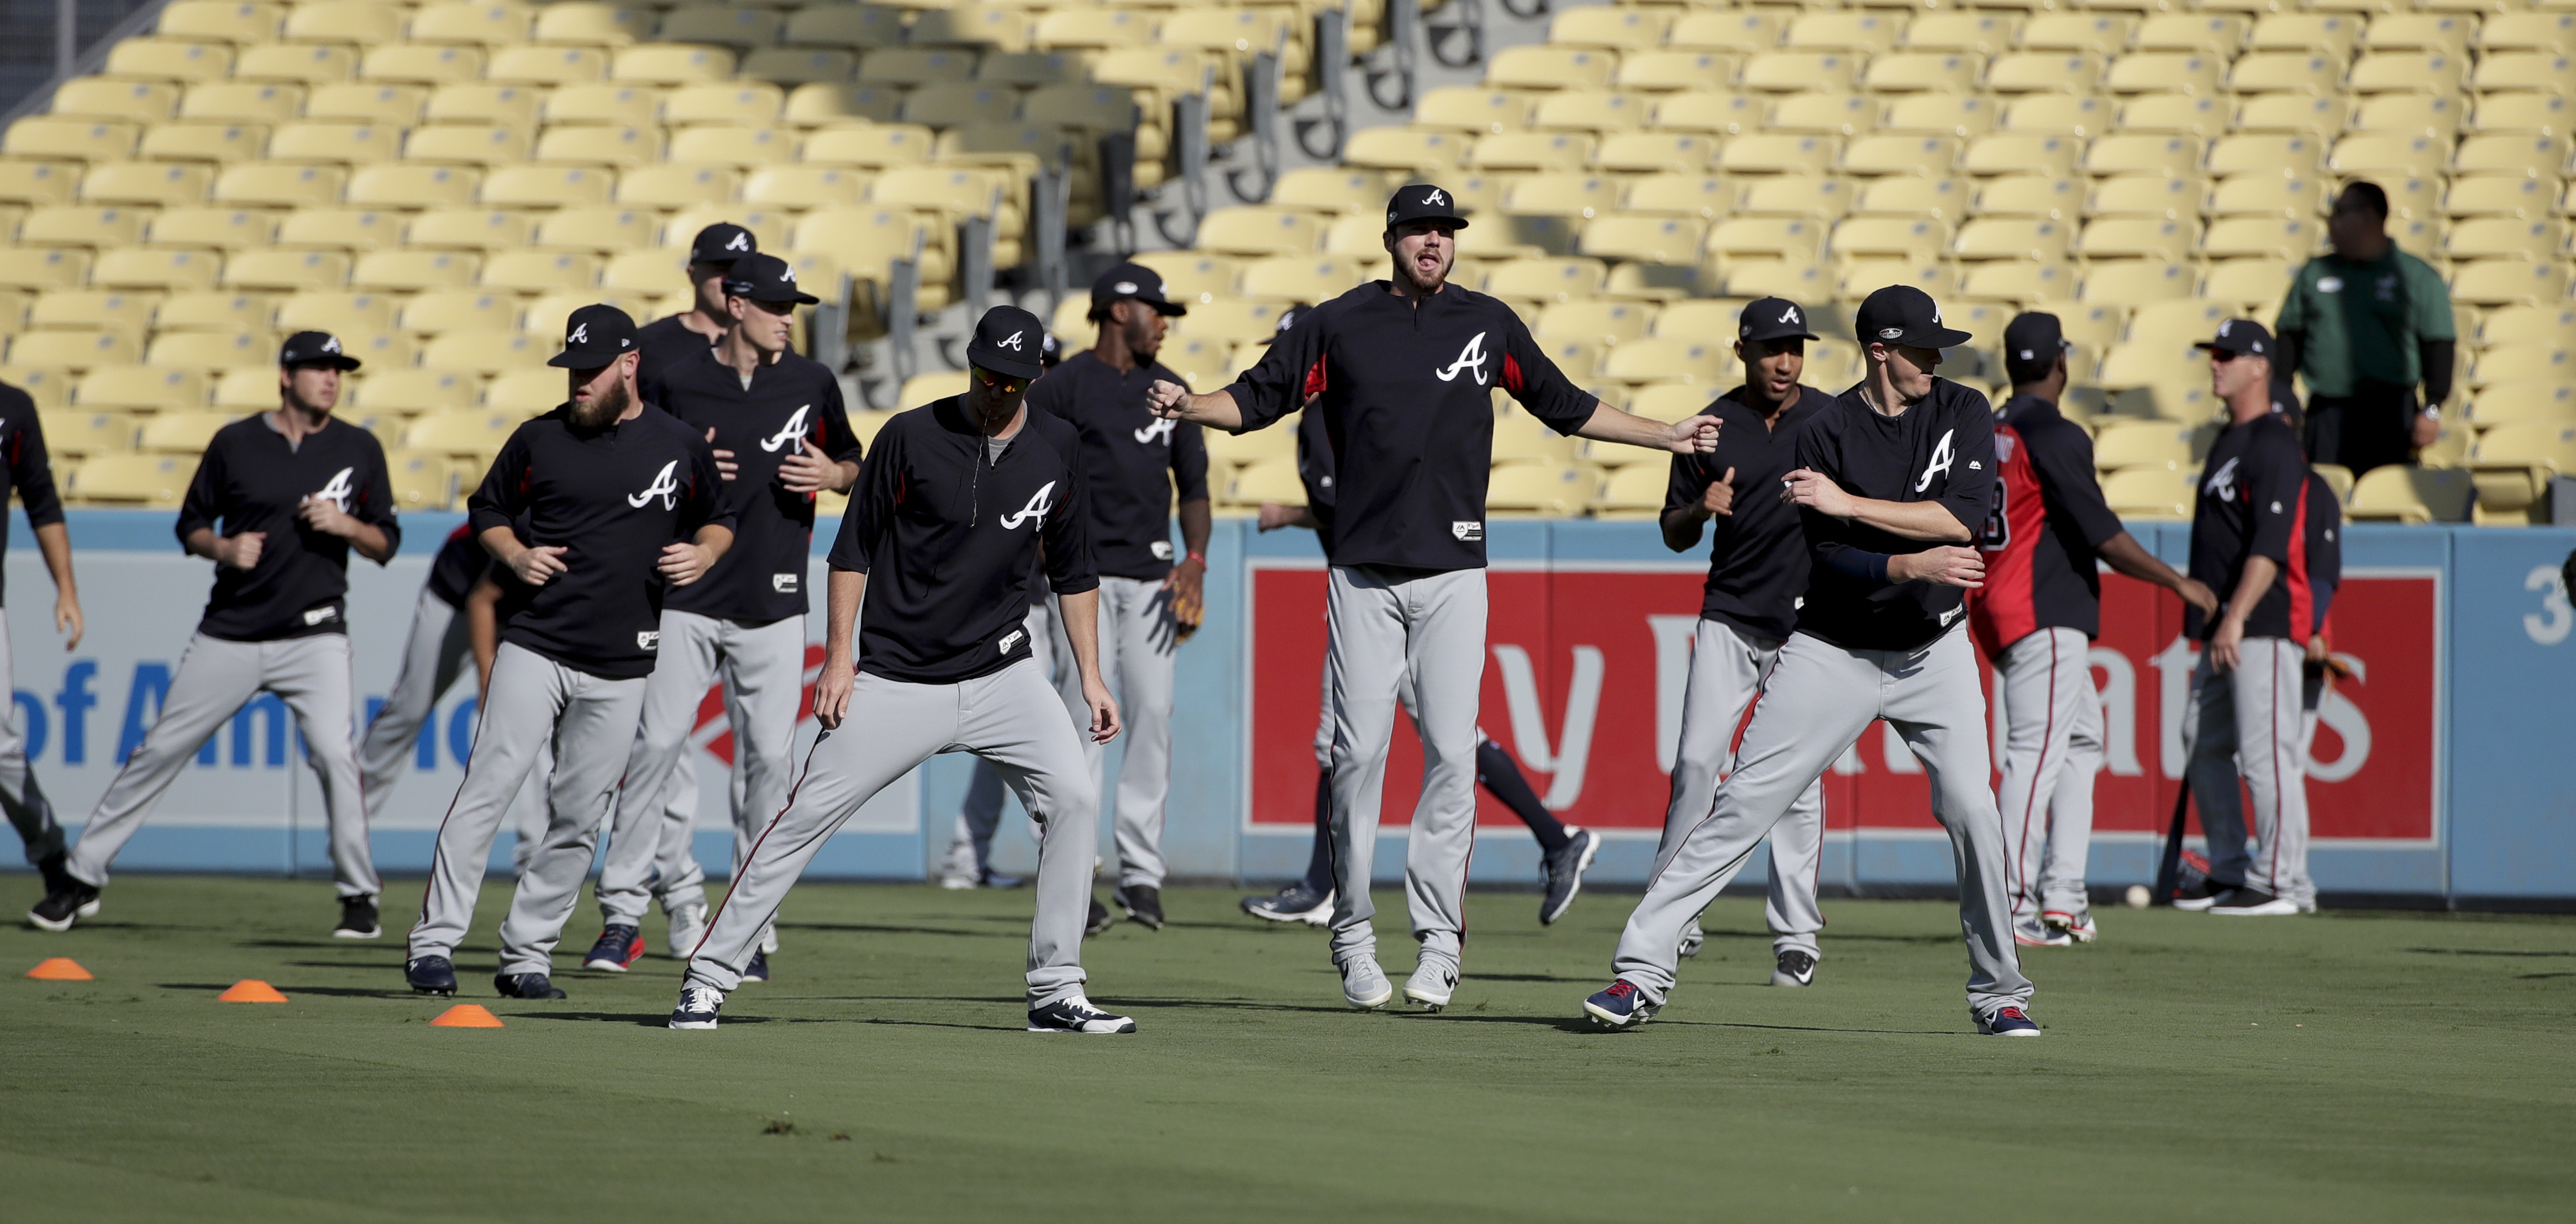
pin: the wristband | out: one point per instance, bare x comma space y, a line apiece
1201, 558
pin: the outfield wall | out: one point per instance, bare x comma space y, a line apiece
2436, 776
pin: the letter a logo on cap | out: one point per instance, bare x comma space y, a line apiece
1433, 196
331, 344
1013, 343
580, 335
1791, 316
741, 242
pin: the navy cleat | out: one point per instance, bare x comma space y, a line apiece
1565, 867
62, 907
526, 986
358, 919
1143, 903
430, 975
758, 969
1295, 903
1793, 967
697, 1009
2007, 1022
1100, 919
619, 946
1621, 1006
1075, 1014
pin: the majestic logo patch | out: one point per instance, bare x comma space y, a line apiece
1162, 550
784, 584
1010, 639
665, 486
1039, 503
337, 492
788, 433
1161, 428
1951, 615
1471, 357
315, 616
1942, 457
649, 639
1471, 529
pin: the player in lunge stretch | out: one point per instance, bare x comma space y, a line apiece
1757, 569
25, 467
594, 509
1404, 371
778, 425
1564, 854
1891, 484
293, 490
957, 501
2036, 618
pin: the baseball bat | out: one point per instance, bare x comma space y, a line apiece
2169, 872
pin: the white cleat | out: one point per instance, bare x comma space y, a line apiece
697, 1009
688, 927
1433, 984
2074, 926
1364, 985
1075, 1014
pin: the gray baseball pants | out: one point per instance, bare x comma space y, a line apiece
1817, 699
29, 811
311, 675
1726, 672
440, 651
1138, 637
2052, 747
762, 668
2249, 722
1388, 628
590, 721
1010, 718
970, 845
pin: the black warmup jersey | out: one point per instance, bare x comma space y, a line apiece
1757, 557
459, 564
2254, 502
613, 498
950, 537
662, 342
22, 444
2325, 548
2039, 537
1315, 471
1405, 392
1133, 459
1940, 450
250, 480
790, 403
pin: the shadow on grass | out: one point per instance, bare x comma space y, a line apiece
1840, 937
2485, 952
651, 1020
870, 928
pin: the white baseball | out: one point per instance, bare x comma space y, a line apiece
2139, 896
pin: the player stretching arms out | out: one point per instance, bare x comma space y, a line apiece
1890, 485
1404, 371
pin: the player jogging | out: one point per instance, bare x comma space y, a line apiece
1890, 484
1132, 463
2249, 544
25, 466
293, 490
702, 326
1757, 568
1404, 371
777, 422
957, 501
612, 501
2036, 618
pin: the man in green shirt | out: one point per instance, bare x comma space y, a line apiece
2364, 326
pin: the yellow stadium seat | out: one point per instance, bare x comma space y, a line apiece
285, 269
1691, 319
874, 146
1862, 277
866, 239
1802, 72
1670, 401
2337, 477
610, 103
1592, 110
527, 392
1632, 491
991, 27
1532, 151
1093, 108
488, 351
73, 350
1047, 69
67, 139
481, 23
412, 185
206, 142
1618, 29
1911, 238
1767, 238
2195, 116
2371, 155
2095, 33
220, 21
353, 22
2543, 113
146, 388
1980, 33
2149, 494
921, 389
956, 103
1824, 114
1921, 156
2533, 238
1258, 231
344, 229
1685, 195
1520, 437
1607, 322
2045, 72
1546, 280
2194, 73
342, 143
1763, 153
279, 185
677, 186
2508, 282
2248, 283
1742, 30
242, 102
97, 98
214, 310
1550, 67
169, 59
722, 25
399, 270
651, 272
439, 311
805, 186
2299, 72
2146, 195
2412, 114
541, 65
2500, 195
83, 225
467, 144
1330, 190
80, 433
617, 147
1663, 71
421, 63
1719, 112
416, 391
88, 309
816, 105
1265, 480
1946, 72
297, 64
2507, 403
2143, 153
50, 268
2136, 282
211, 350
1702, 362
2333, 33
2512, 465
2397, 493
1798, 195
1561, 195
1227, 318
1965, 116
473, 229
1554, 490
2407, 72
169, 270
2262, 237
1090, 27
2266, 194
2515, 324
2288, 155
2022, 153
2221, 34
155, 481
1938, 199
365, 102
2529, 154
180, 433
539, 271
671, 64
2321, 116
463, 432
421, 480
2018, 238
586, 23
2076, 115
751, 104
800, 65
1654, 240
2528, 31
2540, 362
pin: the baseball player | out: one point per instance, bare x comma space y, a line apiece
2320, 668
1132, 463
618, 500
1891, 484
2249, 544
1404, 371
1564, 854
294, 491
25, 466
957, 501
2036, 618
776, 419
665, 340
1757, 568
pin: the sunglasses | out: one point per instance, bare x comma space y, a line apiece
1007, 386
2223, 356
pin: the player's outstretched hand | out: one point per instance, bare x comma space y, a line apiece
1816, 491
1720, 496
1104, 711
683, 563
1694, 436
1945, 565
538, 564
241, 551
725, 466
1165, 398
832, 692
2198, 595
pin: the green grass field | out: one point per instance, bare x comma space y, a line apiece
2357, 1066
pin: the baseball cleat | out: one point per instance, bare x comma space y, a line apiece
952, 881
619, 946
697, 1009
2197, 897
688, 928
2032, 933
1364, 985
1565, 866
1793, 967
1143, 902
1433, 984
2077, 926
430, 975
60, 909
758, 969
1075, 1014
1295, 903
1693, 939
2007, 1022
769, 939
1621, 1006
2252, 902
1101, 919
358, 919
526, 986
58, 878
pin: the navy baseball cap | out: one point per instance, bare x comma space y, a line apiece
722, 243
1287, 319
1903, 314
2033, 342
1008, 341
594, 336
1423, 202
1136, 281
1772, 318
313, 348
765, 278
2241, 338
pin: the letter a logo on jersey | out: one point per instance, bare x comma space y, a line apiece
664, 486
1161, 428
787, 433
1039, 503
337, 492
1940, 465
1471, 357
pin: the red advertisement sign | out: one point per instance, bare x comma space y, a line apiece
1586, 666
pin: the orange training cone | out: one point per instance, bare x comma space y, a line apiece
467, 1015
59, 969
251, 990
